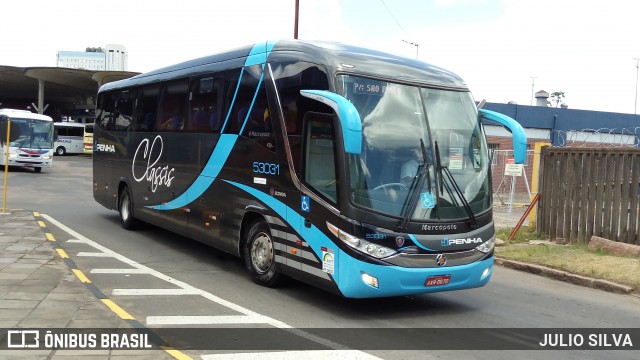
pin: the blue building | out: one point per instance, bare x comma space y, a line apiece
569, 127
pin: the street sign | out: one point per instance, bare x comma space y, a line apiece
512, 169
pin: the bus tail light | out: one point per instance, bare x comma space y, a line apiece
369, 248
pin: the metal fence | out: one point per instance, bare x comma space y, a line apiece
510, 190
590, 191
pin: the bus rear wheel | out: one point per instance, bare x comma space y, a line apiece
259, 255
125, 208
61, 150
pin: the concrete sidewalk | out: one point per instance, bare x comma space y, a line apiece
39, 290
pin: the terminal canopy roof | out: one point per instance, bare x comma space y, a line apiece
61, 85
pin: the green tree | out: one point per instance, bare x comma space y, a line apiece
557, 96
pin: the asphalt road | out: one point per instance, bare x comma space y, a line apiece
193, 282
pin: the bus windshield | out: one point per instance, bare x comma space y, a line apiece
396, 120
32, 133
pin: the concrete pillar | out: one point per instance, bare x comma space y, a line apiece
40, 96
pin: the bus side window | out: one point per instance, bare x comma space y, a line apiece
173, 106
243, 99
204, 109
319, 167
300, 75
124, 111
107, 103
146, 108
258, 125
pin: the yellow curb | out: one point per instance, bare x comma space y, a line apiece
176, 353
117, 309
80, 275
62, 253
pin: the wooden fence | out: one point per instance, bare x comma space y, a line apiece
590, 191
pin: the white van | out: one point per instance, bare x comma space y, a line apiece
68, 138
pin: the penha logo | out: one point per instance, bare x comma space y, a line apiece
446, 241
156, 175
105, 148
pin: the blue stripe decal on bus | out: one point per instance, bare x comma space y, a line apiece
415, 241
209, 174
225, 144
255, 95
348, 270
290, 216
259, 53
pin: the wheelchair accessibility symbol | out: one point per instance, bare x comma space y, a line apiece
305, 205
427, 200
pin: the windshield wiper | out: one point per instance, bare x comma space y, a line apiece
456, 188
414, 189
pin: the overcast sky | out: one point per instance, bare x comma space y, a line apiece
584, 48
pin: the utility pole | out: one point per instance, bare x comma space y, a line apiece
295, 24
533, 84
414, 44
635, 109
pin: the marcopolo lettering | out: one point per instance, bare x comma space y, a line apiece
427, 227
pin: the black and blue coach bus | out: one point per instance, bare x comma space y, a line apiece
360, 172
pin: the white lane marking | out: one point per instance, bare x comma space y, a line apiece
117, 271
295, 355
93, 254
75, 241
209, 296
154, 292
216, 299
206, 320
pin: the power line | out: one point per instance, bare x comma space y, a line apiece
394, 18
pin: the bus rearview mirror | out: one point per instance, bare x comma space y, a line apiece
519, 136
350, 122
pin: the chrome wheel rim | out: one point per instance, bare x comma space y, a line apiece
262, 253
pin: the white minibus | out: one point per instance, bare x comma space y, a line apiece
68, 138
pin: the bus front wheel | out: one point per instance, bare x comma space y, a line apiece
259, 255
125, 208
61, 150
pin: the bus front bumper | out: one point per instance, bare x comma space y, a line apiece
30, 163
399, 281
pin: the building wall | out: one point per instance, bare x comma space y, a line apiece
114, 58
81, 60
564, 125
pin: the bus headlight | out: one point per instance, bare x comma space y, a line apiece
487, 246
369, 248
46, 157
13, 156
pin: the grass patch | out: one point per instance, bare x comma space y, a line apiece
574, 258
524, 234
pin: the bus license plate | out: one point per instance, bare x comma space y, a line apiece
437, 280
